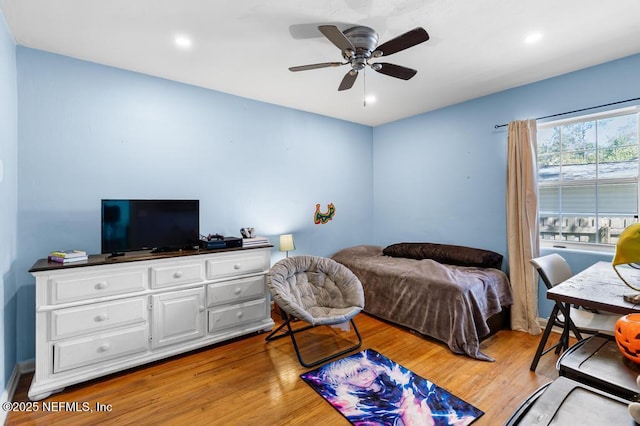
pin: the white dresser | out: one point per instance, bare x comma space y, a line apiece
104, 316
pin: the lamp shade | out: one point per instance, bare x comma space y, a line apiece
287, 243
628, 250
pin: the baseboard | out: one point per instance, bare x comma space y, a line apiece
21, 368
543, 324
28, 366
8, 393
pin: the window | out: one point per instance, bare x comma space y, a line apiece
588, 177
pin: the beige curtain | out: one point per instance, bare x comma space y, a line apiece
522, 224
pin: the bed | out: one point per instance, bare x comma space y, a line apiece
445, 292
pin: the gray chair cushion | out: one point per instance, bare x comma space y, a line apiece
314, 289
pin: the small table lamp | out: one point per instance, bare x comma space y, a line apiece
628, 252
286, 243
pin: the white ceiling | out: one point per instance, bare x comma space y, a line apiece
244, 47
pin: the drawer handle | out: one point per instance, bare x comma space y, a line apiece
238, 291
201, 309
104, 347
178, 274
102, 285
101, 317
236, 266
240, 314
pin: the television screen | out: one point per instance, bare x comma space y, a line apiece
160, 225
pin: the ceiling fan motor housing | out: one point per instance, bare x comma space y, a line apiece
365, 40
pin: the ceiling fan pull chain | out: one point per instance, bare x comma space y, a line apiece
364, 87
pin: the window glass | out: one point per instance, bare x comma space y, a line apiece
588, 177
618, 147
578, 199
619, 198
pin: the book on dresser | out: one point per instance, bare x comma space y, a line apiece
67, 256
57, 259
255, 241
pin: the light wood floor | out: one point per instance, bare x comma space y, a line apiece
251, 382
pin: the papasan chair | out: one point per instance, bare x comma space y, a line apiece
318, 291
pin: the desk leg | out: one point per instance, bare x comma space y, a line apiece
567, 327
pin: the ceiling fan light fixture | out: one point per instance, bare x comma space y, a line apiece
358, 64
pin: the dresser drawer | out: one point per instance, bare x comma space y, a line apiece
234, 265
236, 290
176, 274
97, 317
230, 316
81, 286
106, 346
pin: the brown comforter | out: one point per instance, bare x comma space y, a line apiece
446, 302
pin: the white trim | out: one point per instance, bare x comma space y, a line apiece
542, 322
8, 393
603, 249
20, 368
28, 366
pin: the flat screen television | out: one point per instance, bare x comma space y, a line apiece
157, 225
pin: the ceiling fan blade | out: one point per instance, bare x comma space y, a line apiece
336, 37
404, 41
396, 71
348, 80
315, 66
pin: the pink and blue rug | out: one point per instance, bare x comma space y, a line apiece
369, 389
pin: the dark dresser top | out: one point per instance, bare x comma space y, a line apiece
134, 256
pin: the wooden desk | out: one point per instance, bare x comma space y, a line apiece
598, 287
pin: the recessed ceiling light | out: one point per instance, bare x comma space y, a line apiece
370, 99
533, 38
182, 42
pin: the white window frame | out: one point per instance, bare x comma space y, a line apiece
591, 247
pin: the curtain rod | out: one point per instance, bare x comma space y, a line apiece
497, 126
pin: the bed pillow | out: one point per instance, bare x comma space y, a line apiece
445, 253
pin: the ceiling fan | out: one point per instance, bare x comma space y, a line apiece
360, 44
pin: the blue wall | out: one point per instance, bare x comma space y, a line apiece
89, 132
8, 200
441, 176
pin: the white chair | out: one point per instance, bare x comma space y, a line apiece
554, 269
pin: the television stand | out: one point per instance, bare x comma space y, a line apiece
107, 316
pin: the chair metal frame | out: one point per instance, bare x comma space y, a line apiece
554, 320
291, 332
562, 343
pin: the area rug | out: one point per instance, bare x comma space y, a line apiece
369, 389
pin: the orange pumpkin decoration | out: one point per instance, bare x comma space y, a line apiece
627, 335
